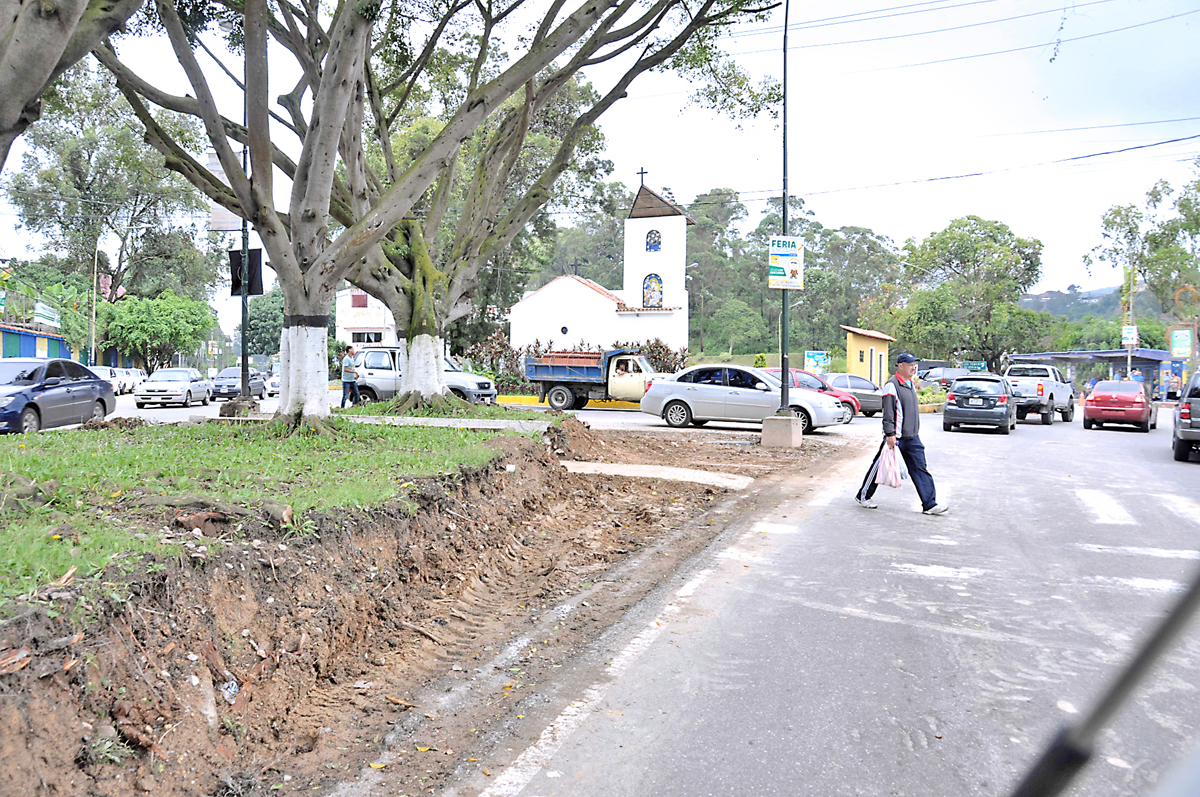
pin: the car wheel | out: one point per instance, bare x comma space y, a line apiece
1048, 413
141, 405
204, 401
187, 400
677, 414
1068, 414
805, 420
1144, 426
1087, 423
947, 427
31, 422
1004, 428
698, 423
366, 395
848, 412
560, 398
98, 411
262, 393
870, 414
458, 394
1181, 449
1021, 415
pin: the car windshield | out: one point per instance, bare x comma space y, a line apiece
169, 375
1118, 387
1018, 370
978, 387
18, 373
452, 365
230, 373
276, 369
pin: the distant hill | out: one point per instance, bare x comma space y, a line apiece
1077, 305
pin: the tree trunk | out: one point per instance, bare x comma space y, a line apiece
304, 355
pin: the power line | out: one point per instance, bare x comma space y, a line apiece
1092, 127
847, 19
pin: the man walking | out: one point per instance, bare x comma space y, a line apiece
901, 421
349, 377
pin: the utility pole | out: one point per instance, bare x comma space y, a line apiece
785, 371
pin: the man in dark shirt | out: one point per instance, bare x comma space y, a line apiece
901, 423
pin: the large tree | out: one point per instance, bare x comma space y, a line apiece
984, 268
88, 180
38, 42
363, 208
153, 330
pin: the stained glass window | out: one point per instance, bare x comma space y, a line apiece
652, 291
653, 241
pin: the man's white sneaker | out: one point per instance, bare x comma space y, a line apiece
866, 502
937, 509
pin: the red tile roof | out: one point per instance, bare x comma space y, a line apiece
867, 333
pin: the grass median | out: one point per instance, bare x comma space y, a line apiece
76, 498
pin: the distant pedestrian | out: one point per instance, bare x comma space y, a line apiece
1173, 387
1091, 385
349, 378
901, 422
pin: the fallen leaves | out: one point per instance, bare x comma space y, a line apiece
398, 702
13, 660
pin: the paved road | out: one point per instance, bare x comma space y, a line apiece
820, 648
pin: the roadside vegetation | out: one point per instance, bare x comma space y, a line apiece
461, 409
83, 499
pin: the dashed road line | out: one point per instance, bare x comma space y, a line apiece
1106, 509
1158, 553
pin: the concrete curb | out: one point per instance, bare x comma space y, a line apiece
728, 480
600, 405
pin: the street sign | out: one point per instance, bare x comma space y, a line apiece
1181, 344
974, 365
1129, 336
785, 263
816, 361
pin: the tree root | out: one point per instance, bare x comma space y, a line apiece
413, 401
296, 423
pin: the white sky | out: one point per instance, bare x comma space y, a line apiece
869, 132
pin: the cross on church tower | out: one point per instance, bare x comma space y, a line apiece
643, 174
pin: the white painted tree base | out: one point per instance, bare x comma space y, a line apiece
304, 376
422, 370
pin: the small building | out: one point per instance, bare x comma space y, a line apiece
867, 353
361, 318
19, 341
652, 302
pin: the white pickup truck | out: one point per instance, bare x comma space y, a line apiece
1041, 389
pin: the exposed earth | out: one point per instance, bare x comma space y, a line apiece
271, 661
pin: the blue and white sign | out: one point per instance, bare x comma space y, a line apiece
816, 361
1129, 336
785, 263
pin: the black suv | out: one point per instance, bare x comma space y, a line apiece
1185, 435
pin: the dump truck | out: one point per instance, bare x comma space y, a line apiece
570, 379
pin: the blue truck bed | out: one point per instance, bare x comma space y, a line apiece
570, 366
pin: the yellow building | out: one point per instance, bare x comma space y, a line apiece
867, 353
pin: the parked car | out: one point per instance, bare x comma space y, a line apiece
108, 375
179, 386
228, 383
1120, 402
869, 395
941, 377
706, 393
980, 399
810, 381
40, 394
1185, 434
133, 378
379, 378
273, 381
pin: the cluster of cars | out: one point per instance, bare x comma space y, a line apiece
123, 380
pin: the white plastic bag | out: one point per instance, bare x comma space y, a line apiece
891, 467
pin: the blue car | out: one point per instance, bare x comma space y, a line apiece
41, 394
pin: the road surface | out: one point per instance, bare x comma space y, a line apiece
820, 648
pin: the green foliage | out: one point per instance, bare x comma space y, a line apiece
152, 330
90, 518
265, 314
930, 395
739, 327
760, 361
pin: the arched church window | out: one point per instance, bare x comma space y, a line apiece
652, 291
653, 241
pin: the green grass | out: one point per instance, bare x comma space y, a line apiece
491, 412
93, 516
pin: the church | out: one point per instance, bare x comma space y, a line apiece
652, 303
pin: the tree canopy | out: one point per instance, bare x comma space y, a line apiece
153, 330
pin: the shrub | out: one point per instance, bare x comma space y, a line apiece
760, 361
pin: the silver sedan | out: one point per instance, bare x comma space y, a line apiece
706, 393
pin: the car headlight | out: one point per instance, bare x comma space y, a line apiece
4, 402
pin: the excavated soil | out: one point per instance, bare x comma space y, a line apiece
267, 663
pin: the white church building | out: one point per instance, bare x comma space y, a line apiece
652, 303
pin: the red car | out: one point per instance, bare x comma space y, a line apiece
811, 381
1120, 402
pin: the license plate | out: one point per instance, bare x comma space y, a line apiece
975, 402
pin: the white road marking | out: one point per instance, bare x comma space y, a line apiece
939, 571
1104, 507
1117, 762
1067, 707
536, 756
1185, 508
938, 541
1142, 584
1158, 553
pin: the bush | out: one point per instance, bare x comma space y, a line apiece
760, 361
931, 395
662, 357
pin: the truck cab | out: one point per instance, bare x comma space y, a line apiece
627, 375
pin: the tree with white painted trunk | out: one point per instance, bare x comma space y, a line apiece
368, 72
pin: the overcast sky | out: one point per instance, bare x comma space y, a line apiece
887, 97
884, 98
